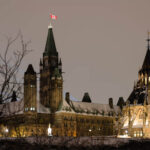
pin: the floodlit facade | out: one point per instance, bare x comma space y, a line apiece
51, 114
135, 119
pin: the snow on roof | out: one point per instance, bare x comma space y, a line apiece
41, 108
11, 108
17, 107
65, 107
94, 108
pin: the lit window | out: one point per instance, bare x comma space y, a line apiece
31, 108
134, 133
145, 80
141, 134
137, 133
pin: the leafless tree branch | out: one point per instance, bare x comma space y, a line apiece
10, 61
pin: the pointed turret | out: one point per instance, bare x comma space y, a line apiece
30, 70
50, 48
86, 98
146, 63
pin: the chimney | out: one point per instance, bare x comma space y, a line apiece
111, 103
67, 97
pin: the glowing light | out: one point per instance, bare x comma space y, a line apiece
90, 130
49, 130
147, 122
123, 136
6, 130
135, 123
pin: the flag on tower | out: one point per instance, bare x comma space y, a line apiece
53, 17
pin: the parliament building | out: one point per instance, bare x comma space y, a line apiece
51, 114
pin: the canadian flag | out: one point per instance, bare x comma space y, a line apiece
53, 17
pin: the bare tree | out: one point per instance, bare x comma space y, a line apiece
10, 61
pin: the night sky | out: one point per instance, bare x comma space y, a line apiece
102, 43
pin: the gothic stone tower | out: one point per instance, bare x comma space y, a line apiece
51, 81
30, 90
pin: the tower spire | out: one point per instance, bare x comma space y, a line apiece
50, 48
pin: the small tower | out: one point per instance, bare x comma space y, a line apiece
56, 90
30, 90
86, 98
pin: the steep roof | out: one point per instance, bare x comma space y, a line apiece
30, 70
146, 63
93, 108
138, 94
86, 98
50, 48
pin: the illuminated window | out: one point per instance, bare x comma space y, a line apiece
145, 80
142, 77
134, 133
137, 133
141, 133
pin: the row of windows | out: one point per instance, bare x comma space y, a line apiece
82, 120
28, 109
138, 133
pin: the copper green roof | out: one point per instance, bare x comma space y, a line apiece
50, 48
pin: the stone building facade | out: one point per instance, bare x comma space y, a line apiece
135, 119
33, 117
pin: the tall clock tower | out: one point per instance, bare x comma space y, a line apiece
51, 65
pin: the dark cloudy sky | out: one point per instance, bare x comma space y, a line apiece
101, 42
